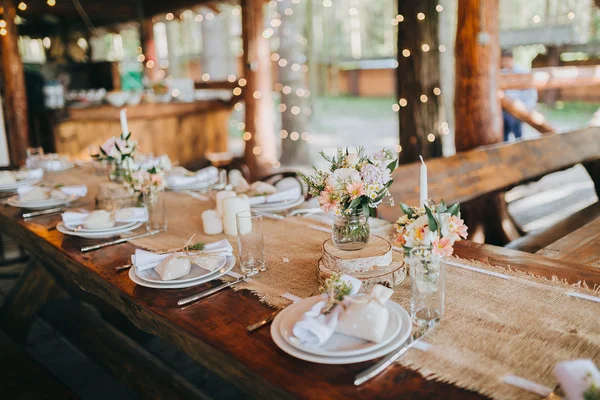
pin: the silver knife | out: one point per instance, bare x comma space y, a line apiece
122, 240
263, 322
44, 212
210, 292
388, 360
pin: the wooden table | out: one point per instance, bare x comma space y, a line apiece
213, 332
581, 246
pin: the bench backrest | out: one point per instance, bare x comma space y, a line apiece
472, 174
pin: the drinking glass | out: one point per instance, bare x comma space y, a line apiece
250, 240
427, 283
157, 210
34, 157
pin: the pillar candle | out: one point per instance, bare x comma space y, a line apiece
212, 222
232, 206
222, 195
423, 183
124, 127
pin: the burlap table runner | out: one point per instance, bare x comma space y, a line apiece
492, 326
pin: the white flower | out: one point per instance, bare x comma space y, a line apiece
352, 159
341, 177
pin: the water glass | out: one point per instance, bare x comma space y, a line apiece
34, 157
157, 210
250, 240
427, 283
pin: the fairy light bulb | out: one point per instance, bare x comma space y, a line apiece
51, 3
402, 102
205, 77
294, 136
437, 91
237, 91
169, 16
283, 133
439, 8
431, 137
242, 82
22, 6
257, 94
420, 16
256, 150
247, 136
231, 78
423, 98
425, 48
406, 53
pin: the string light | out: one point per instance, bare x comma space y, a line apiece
278, 86
231, 78
425, 48
268, 33
3, 31
402, 102
198, 18
256, 150
398, 148
571, 15
161, 74
327, 3
395, 107
286, 90
22, 6
294, 136
150, 64
141, 57
536, 19
295, 110
51, 3
439, 8
399, 17
2, 23
282, 62
406, 53
283, 133
175, 93
300, 92
164, 64
275, 23
205, 77
241, 126
238, 106
235, 11
295, 67
288, 11
431, 137
247, 136
394, 22
210, 16
169, 16
420, 16
305, 136
274, 57
442, 48
423, 98
242, 82
276, 164
437, 91
282, 107
257, 94
237, 91
46, 41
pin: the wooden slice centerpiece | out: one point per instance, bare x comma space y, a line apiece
377, 253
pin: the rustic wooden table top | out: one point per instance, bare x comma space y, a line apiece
213, 331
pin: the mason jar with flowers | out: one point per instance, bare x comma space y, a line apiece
352, 189
119, 153
149, 183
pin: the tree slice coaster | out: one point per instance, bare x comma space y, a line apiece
377, 253
390, 276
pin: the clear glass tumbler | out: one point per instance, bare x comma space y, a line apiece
427, 282
157, 211
34, 157
250, 240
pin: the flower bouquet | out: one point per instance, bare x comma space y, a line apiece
119, 153
355, 185
436, 226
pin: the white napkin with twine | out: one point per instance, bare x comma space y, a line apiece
185, 178
77, 190
314, 328
143, 259
576, 377
284, 195
129, 214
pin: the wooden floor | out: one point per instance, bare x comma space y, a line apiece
533, 206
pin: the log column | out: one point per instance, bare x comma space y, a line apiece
14, 88
476, 103
260, 114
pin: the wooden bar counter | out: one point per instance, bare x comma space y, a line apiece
183, 131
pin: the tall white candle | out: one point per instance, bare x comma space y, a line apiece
124, 127
232, 206
423, 183
222, 195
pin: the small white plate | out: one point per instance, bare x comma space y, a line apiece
40, 204
13, 186
278, 206
118, 226
194, 186
63, 167
196, 272
167, 285
396, 342
338, 345
99, 235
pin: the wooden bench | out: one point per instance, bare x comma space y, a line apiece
479, 178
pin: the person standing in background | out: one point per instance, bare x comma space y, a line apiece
527, 96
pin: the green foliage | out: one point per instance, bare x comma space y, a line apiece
433, 223
406, 210
454, 209
196, 246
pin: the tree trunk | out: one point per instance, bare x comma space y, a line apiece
293, 118
476, 103
14, 89
261, 147
418, 75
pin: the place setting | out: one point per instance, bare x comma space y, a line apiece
181, 179
43, 197
100, 224
49, 162
10, 181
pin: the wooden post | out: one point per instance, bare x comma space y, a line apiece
148, 48
14, 88
549, 96
476, 104
261, 146
418, 80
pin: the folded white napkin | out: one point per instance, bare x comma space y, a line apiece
78, 190
143, 259
314, 328
576, 376
205, 175
130, 214
36, 173
289, 194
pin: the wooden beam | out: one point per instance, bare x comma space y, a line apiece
14, 88
517, 109
260, 113
552, 78
477, 110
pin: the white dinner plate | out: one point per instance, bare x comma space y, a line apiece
118, 227
10, 187
168, 285
98, 235
338, 345
406, 327
278, 206
63, 167
40, 204
196, 272
195, 186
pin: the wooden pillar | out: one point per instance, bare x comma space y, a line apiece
260, 114
148, 48
550, 96
476, 103
418, 80
14, 88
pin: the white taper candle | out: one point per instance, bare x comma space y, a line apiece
423, 183
124, 127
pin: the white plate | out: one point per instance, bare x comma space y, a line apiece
406, 327
13, 186
194, 186
338, 345
99, 235
40, 204
278, 206
63, 167
196, 272
166, 285
118, 226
